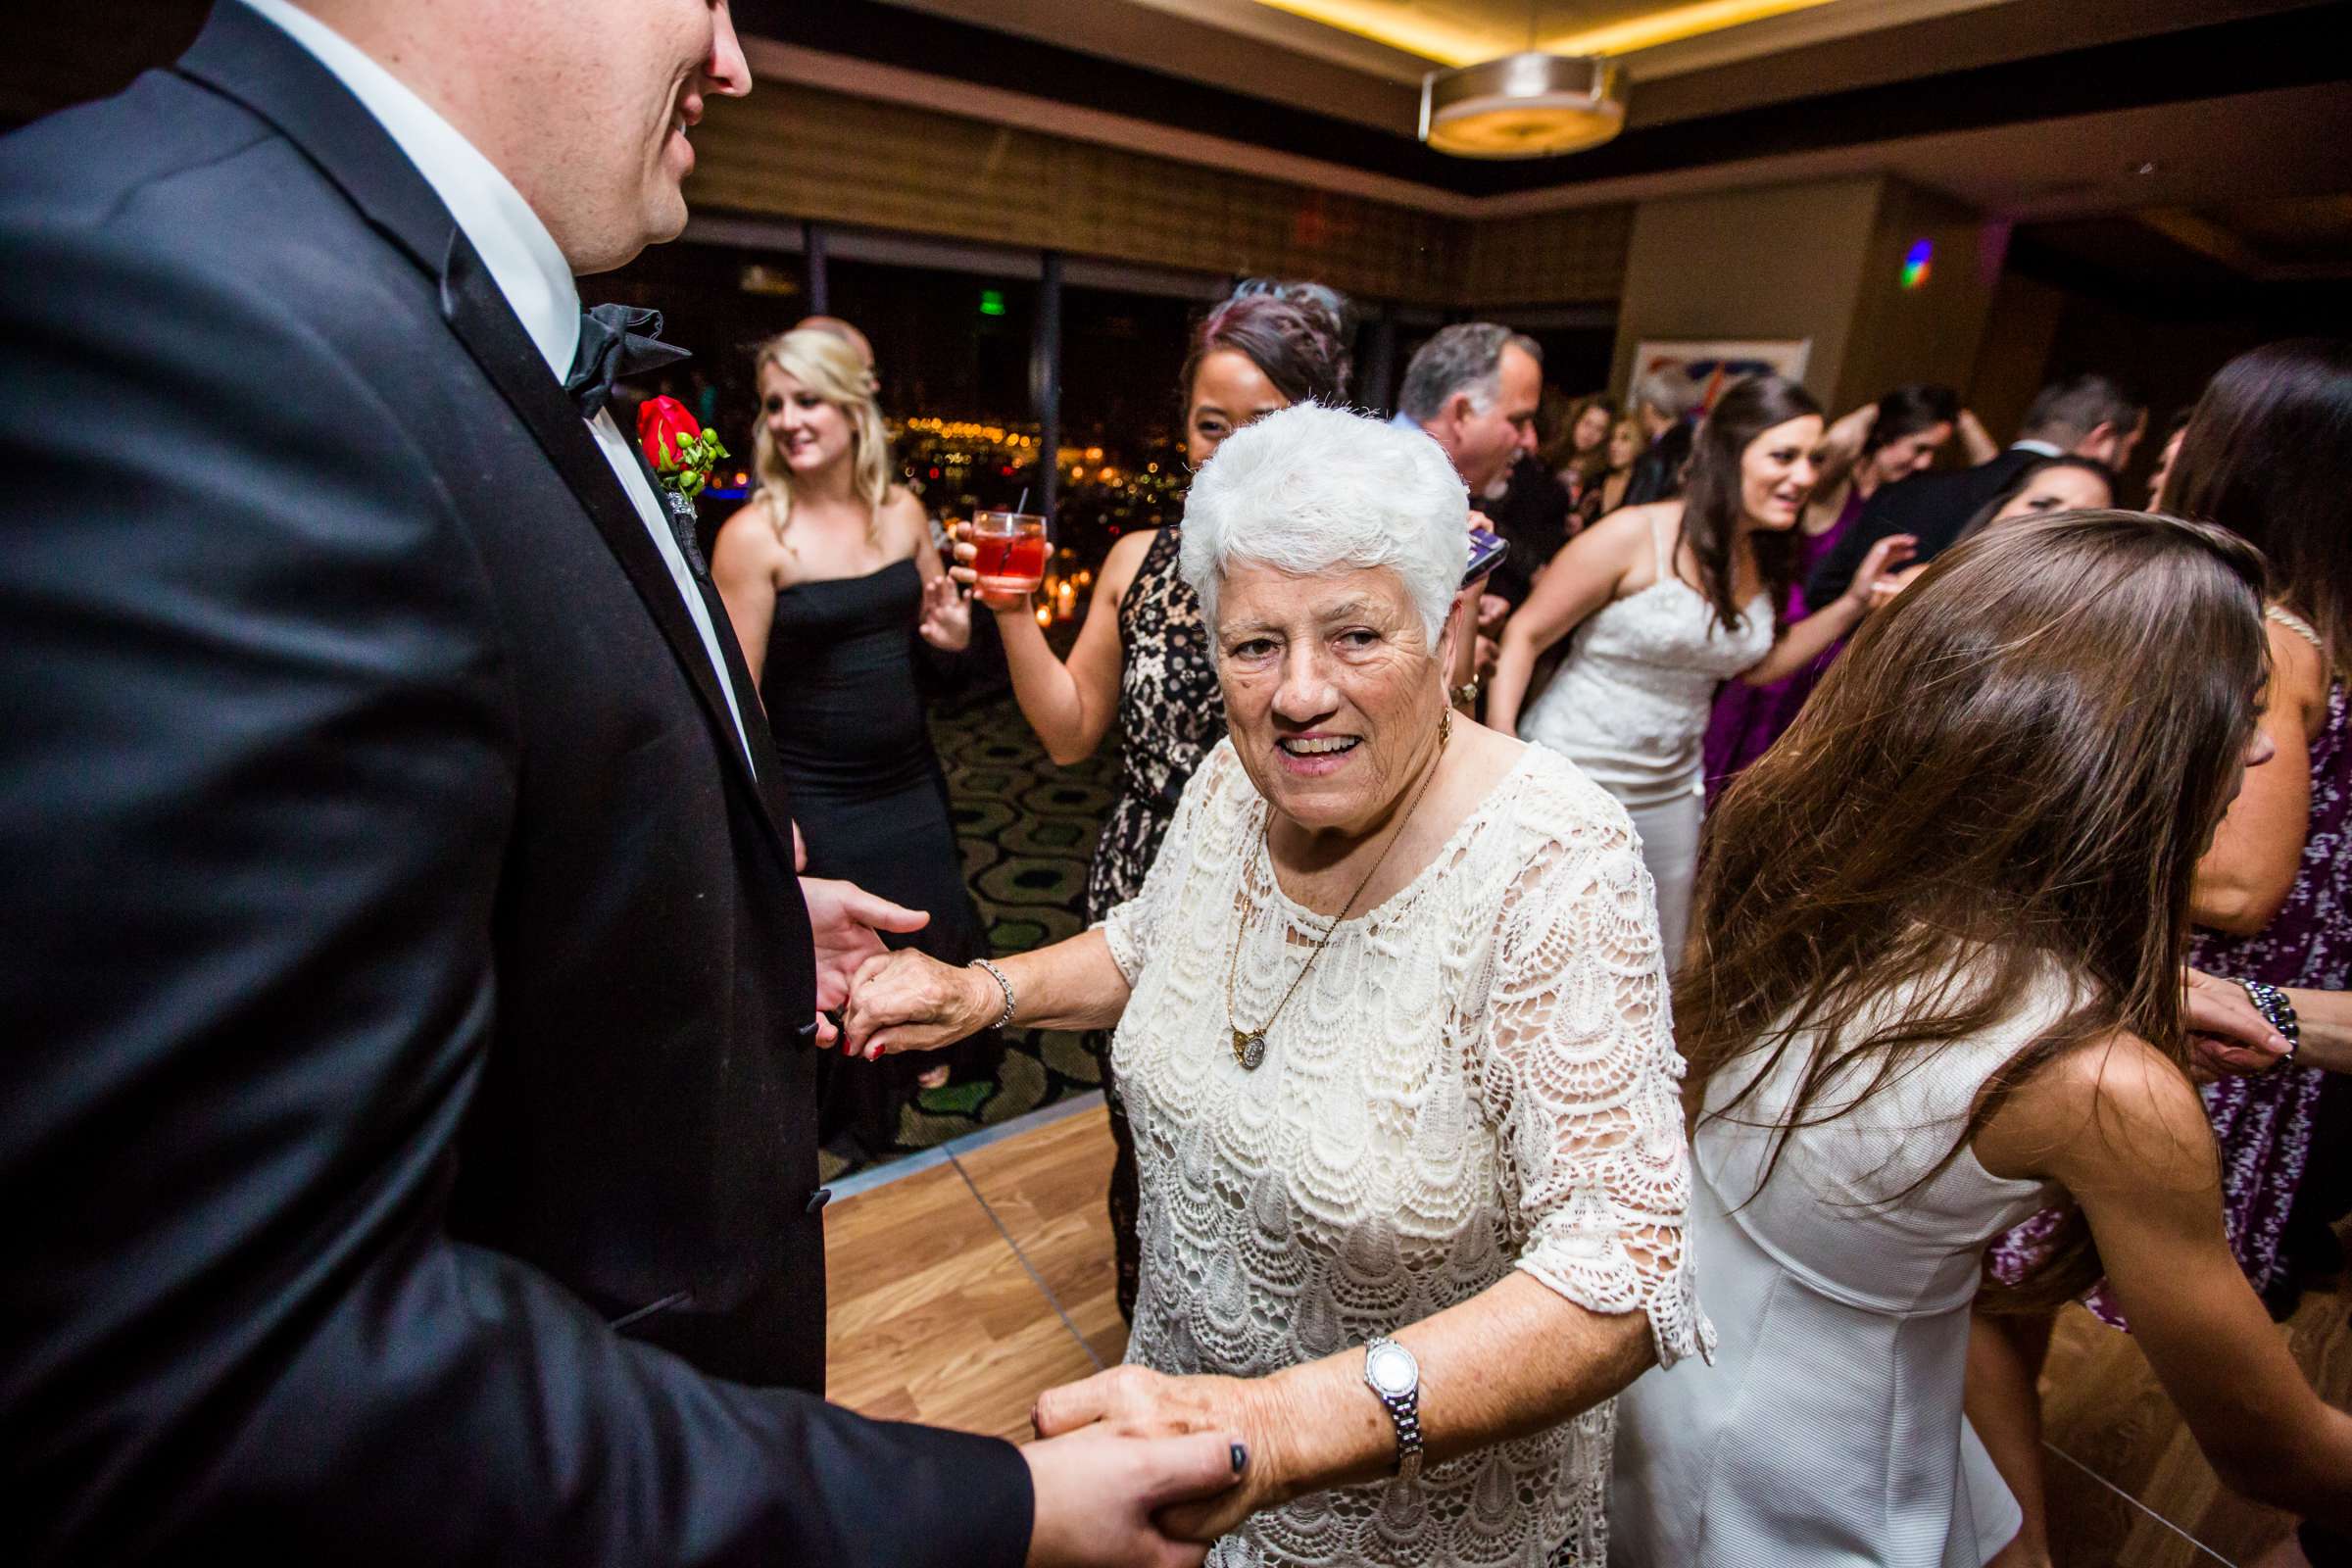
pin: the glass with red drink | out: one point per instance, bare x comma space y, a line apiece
1009, 551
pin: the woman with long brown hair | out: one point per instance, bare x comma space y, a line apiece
1878, 444
1668, 600
1936, 977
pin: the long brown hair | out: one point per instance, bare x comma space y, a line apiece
2268, 455
1558, 449
1711, 494
2012, 770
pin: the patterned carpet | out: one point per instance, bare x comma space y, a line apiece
1027, 829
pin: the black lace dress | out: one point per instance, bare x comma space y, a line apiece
1170, 715
1169, 719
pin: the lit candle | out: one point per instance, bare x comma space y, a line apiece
1044, 616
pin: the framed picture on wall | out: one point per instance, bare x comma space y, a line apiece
1712, 364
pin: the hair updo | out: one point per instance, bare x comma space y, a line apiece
1296, 334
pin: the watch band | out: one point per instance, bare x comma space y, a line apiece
1404, 1403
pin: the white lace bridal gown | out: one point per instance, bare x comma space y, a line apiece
1478, 1075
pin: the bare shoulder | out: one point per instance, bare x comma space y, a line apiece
902, 517
747, 542
2114, 1113
1124, 564
1625, 535
2298, 668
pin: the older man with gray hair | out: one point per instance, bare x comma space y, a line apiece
1473, 389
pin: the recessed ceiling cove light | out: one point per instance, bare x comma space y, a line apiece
1529, 105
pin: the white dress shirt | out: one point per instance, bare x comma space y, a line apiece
524, 261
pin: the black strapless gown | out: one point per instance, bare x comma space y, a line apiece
866, 788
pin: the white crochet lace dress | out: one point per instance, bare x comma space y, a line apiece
1478, 1076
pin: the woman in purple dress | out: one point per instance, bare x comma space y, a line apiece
2267, 454
1879, 443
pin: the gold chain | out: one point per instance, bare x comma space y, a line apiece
1250, 1045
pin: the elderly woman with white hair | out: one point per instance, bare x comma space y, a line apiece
1393, 1030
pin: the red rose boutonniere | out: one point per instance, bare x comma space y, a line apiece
678, 448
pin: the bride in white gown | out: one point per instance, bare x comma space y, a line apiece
1935, 984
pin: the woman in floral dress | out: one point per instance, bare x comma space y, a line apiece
2267, 454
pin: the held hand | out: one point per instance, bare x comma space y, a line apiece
947, 622
1135, 1399
2228, 1034
1492, 610
964, 554
845, 919
1887, 556
909, 1001
1099, 1489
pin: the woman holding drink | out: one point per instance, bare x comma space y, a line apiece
829, 576
1142, 655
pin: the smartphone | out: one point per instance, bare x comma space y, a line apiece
1487, 551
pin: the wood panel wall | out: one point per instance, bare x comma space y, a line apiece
1571, 257
800, 152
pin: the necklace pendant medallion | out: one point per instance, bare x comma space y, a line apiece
1248, 1050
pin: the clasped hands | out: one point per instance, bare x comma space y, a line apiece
1139, 1405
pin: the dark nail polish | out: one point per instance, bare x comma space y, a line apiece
1240, 1457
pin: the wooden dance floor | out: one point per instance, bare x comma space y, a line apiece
962, 1289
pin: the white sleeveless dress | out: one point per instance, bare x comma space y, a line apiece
1829, 1431
1630, 707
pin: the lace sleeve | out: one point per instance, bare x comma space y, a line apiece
1578, 1071
1131, 926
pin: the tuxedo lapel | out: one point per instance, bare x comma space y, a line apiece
247, 58
480, 315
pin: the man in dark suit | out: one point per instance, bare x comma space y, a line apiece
2088, 416
410, 1000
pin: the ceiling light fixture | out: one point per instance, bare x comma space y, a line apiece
1530, 105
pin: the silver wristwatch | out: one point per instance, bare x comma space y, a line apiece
1391, 1372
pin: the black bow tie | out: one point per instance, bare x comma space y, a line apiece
616, 340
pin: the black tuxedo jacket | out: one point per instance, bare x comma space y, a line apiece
406, 1108
1933, 507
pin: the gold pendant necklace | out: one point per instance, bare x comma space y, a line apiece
1250, 1045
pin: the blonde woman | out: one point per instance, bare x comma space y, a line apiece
830, 577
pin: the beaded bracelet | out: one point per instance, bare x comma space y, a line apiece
998, 975
2278, 1013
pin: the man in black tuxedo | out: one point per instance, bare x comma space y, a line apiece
410, 1000
2088, 416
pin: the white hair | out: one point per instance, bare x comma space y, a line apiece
1308, 490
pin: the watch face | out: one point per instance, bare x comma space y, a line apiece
1391, 1370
